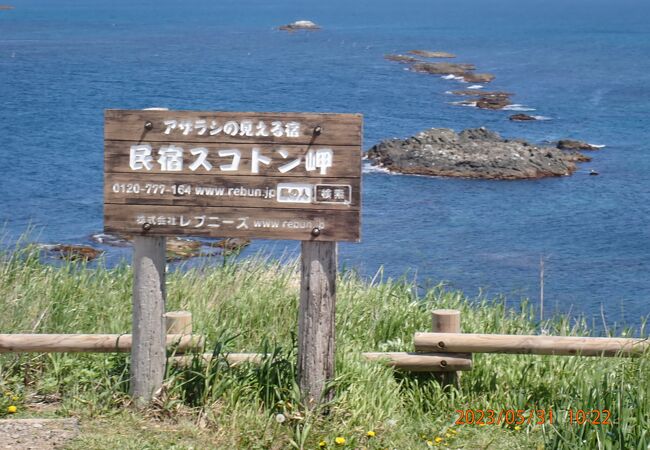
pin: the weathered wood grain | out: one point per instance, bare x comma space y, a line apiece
149, 187
446, 321
423, 362
337, 225
317, 151
86, 343
129, 125
316, 320
148, 356
346, 159
529, 344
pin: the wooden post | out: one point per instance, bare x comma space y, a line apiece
148, 356
449, 321
316, 320
178, 322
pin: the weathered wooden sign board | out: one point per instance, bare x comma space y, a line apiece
219, 174
222, 174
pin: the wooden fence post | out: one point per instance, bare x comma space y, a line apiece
316, 320
446, 321
148, 356
178, 322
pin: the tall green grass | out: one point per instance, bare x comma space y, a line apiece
251, 305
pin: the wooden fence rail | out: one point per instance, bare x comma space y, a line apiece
529, 344
423, 362
96, 343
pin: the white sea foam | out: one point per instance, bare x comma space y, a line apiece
369, 168
598, 145
475, 86
542, 117
464, 103
517, 107
452, 77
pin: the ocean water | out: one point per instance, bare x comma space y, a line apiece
585, 65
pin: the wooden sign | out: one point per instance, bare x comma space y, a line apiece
220, 174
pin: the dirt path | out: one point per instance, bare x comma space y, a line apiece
36, 434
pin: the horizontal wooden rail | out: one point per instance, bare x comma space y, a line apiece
232, 358
423, 362
92, 343
529, 344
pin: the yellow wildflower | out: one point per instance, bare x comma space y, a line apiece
447, 435
452, 431
340, 440
370, 433
517, 427
482, 424
322, 444
14, 398
438, 439
12, 409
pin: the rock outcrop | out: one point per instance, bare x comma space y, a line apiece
300, 25
428, 54
521, 118
485, 100
473, 153
405, 59
494, 101
570, 144
72, 252
472, 77
442, 68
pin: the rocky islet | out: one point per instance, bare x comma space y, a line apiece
472, 153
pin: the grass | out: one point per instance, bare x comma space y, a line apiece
251, 305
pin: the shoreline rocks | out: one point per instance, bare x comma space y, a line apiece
180, 248
72, 252
300, 25
472, 153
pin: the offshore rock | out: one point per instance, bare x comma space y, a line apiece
472, 77
473, 153
405, 59
73, 252
442, 68
493, 101
428, 54
521, 118
300, 25
181, 248
231, 245
485, 100
570, 144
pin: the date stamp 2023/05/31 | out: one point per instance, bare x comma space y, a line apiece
532, 416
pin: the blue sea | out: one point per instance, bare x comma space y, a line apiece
584, 64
